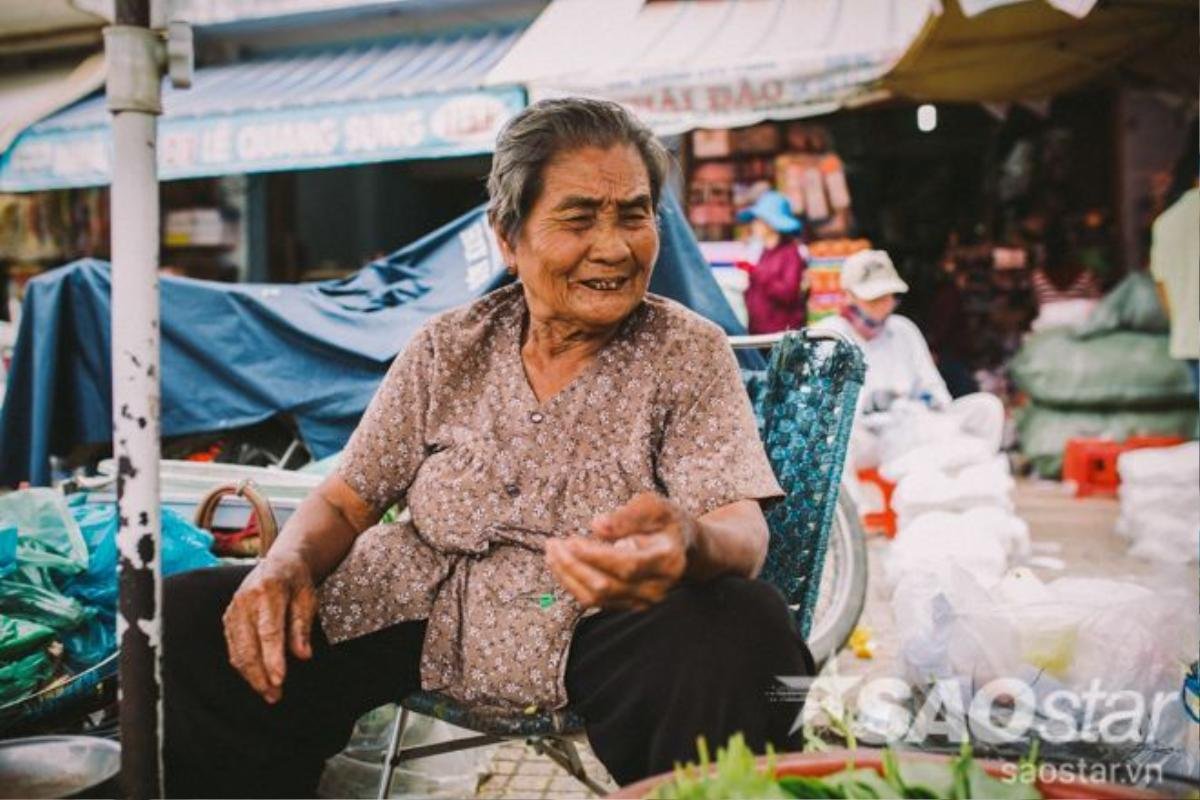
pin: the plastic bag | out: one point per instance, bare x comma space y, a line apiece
1043, 432
909, 425
8, 549
1162, 533
18, 636
941, 541
1132, 305
1161, 466
47, 535
1122, 369
1063, 314
30, 594
979, 485
91, 642
1181, 501
22, 676
948, 455
184, 547
98, 526
1073, 630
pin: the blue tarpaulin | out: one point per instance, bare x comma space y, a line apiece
237, 354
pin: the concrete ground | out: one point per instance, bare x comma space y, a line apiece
1077, 532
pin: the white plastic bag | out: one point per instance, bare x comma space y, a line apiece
1179, 501
1161, 536
1156, 466
1160, 502
939, 541
947, 455
988, 484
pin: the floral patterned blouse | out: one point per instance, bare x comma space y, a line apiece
488, 474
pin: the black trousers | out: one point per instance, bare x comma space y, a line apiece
701, 663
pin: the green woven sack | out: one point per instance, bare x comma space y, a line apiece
1043, 432
1119, 370
1132, 305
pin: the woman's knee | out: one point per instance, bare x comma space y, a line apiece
730, 606
193, 604
729, 622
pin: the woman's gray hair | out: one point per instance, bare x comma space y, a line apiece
538, 133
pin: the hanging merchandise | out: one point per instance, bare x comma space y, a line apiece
789, 180
711, 144
835, 182
815, 204
795, 159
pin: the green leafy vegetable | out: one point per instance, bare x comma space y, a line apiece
736, 776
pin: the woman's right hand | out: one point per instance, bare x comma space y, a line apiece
274, 608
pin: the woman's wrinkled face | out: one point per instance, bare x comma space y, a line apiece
590, 240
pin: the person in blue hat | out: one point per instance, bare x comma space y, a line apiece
773, 298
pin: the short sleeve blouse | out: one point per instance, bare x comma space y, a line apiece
488, 474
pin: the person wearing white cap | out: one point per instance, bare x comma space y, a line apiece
899, 364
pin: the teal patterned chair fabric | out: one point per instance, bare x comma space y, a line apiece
804, 402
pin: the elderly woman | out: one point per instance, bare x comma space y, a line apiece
584, 479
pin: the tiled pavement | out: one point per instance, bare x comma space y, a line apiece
516, 772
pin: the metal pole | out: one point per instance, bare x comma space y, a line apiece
133, 52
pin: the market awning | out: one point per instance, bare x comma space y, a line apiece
686, 64
1009, 50
351, 105
28, 96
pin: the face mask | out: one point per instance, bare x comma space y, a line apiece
867, 327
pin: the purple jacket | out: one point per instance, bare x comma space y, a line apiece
773, 298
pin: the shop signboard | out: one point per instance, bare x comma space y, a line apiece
730, 98
269, 140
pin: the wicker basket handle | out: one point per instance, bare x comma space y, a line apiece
268, 528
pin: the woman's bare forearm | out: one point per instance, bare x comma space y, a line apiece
729, 540
324, 527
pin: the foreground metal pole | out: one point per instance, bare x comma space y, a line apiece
132, 51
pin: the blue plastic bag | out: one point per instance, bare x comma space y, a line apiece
47, 536
184, 547
8, 549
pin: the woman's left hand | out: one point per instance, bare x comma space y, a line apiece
636, 555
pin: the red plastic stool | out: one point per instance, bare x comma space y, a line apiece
884, 520
1092, 463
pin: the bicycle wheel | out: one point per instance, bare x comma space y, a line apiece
843, 592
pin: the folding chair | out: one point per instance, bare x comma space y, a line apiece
804, 402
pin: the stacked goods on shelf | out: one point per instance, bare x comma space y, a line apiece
710, 200
824, 274
1111, 379
53, 227
734, 167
